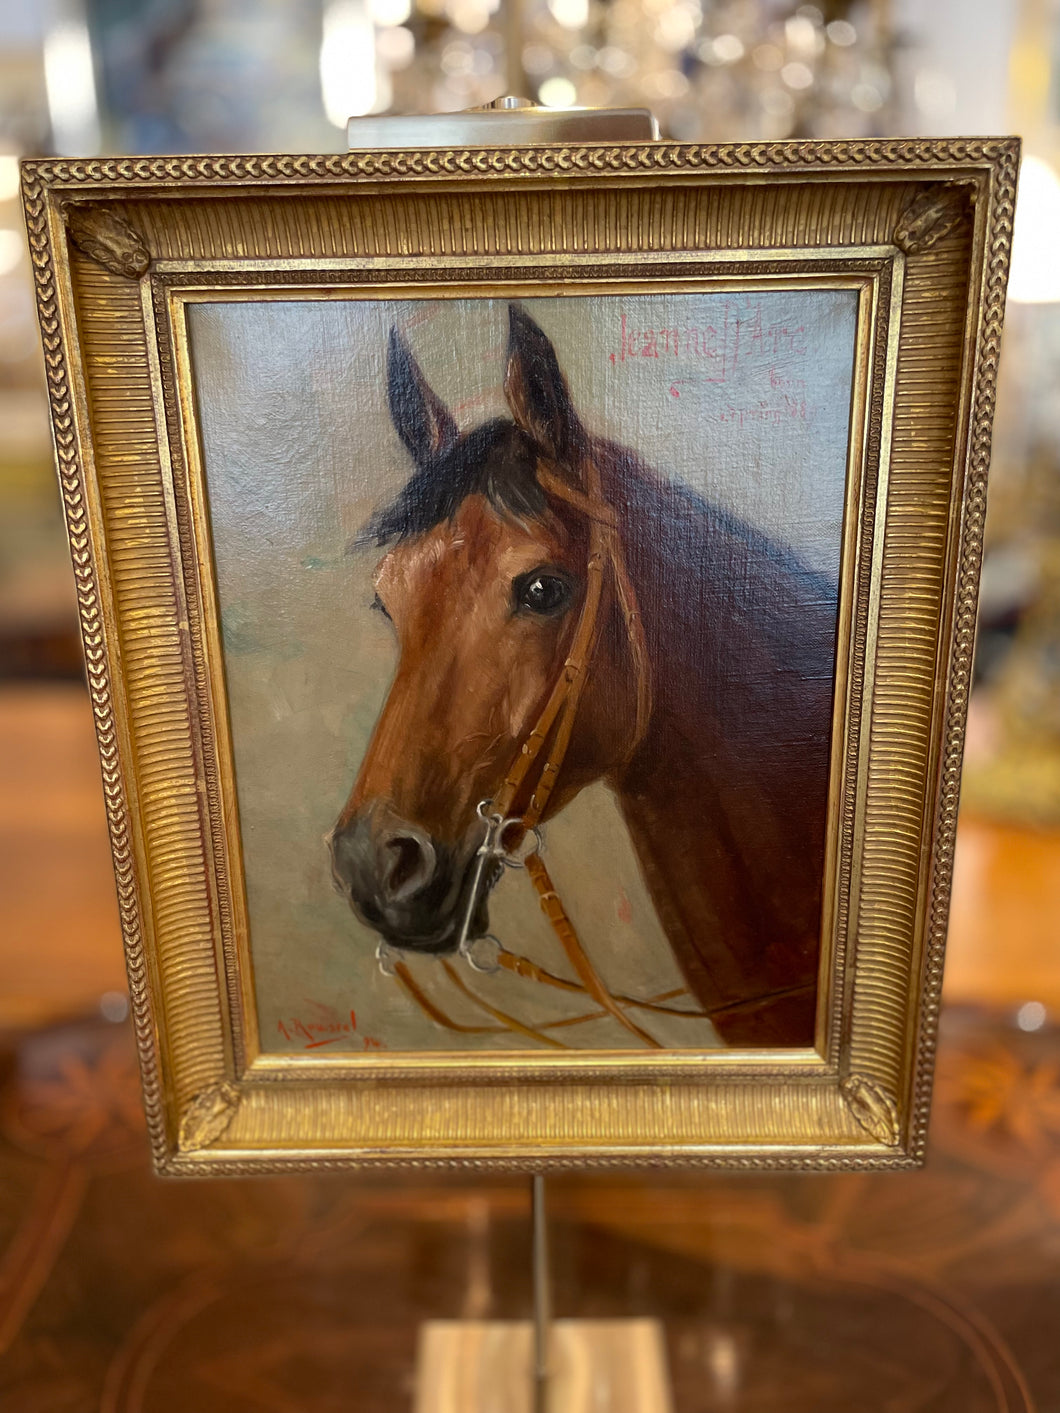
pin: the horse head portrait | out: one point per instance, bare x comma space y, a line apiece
565, 615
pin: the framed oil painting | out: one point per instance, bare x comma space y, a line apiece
528, 599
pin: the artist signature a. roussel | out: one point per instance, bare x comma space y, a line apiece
321, 1025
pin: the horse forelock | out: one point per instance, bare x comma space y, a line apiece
497, 459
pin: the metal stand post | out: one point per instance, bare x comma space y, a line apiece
542, 1365
515, 76
542, 1295
471, 1366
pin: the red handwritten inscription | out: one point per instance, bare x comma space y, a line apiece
780, 380
741, 338
324, 1025
788, 409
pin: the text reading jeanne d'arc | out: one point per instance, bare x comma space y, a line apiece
743, 336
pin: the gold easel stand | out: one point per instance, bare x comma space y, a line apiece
543, 1365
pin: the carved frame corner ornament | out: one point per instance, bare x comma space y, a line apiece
874, 1108
116, 244
208, 1115
102, 235
930, 217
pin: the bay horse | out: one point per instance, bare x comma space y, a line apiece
722, 783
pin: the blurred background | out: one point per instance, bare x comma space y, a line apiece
85, 77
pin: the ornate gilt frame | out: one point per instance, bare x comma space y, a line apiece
922, 228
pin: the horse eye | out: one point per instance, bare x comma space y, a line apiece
379, 606
546, 595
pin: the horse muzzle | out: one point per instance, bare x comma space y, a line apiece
405, 885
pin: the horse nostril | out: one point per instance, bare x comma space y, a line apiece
407, 865
404, 858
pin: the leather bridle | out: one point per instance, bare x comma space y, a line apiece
555, 724
535, 770
513, 838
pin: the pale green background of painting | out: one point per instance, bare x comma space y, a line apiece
299, 449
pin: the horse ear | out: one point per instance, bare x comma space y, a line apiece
537, 393
421, 418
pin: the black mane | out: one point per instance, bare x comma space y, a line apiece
497, 460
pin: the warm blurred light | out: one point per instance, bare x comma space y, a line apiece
390, 12
667, 83
8, 176
796, 75
676, 29
802, 35
396, 46
616, 62
470, 16
1031, 1016
114, 1006
458, 59
10, 250
723, 1361
558, 93
768, 58
70, 85
728, 48
1035, 275
349, 83
841, 32
571, 14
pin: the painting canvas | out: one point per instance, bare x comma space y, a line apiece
528, 611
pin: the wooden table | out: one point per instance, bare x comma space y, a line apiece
920, 1293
